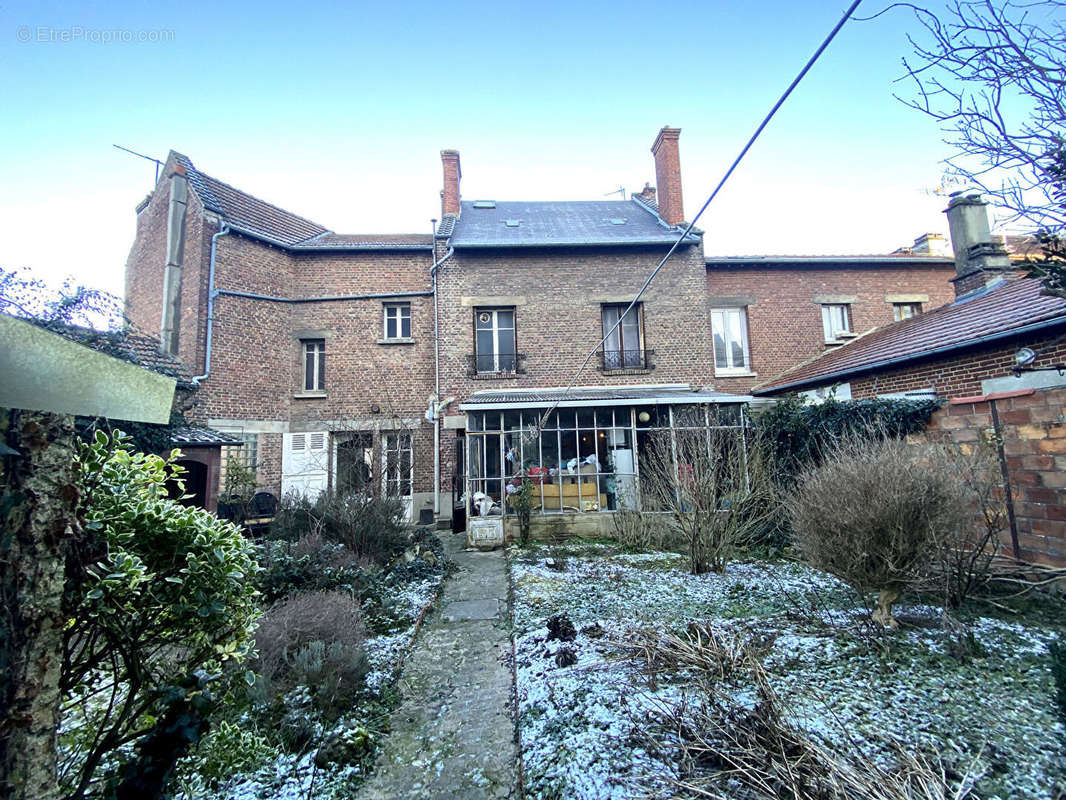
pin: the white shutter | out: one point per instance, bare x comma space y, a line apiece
305, 463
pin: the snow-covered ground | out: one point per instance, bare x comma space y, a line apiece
584, 726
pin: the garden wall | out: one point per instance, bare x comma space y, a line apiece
1032, 428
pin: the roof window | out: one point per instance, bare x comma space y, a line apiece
617, 221
512, 223
484, 204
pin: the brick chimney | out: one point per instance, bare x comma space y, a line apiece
979, 258
647, 194
449, 195
668, 175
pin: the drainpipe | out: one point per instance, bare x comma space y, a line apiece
222, 231
436, 373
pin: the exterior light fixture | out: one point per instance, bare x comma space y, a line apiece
1025, 357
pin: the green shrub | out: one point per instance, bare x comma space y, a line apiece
226, 751
163, 593
796, 436
309, 565
371, 528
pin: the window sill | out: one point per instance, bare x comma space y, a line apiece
407, 340
842, 339
495, 376
626, 371
735, 373
309, 395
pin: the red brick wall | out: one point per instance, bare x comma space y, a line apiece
257, 361
560, 318
1034, 442
145, 267
785, 324
959, 374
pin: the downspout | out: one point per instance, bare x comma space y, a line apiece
222, 231
436, 373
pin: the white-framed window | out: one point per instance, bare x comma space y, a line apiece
836, 320
622, 348
729, 328
398, 464
494, 340
901, 311
397, 321
314, 362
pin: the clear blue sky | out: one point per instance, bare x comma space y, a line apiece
339, 114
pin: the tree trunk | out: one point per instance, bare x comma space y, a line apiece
882, 613
36, 530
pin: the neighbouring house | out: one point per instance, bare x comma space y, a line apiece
769, 313
425, 365
996, 354
201, 448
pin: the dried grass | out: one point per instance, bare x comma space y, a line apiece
728, 749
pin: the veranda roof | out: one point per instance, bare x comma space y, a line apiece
657, 394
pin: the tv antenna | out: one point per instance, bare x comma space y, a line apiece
620, 190
156, 161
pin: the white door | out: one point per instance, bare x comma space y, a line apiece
305, 463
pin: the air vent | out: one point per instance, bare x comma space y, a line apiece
484, 204
512, 223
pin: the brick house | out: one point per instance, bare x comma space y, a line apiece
997, 355
416, 361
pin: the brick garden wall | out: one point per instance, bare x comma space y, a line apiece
785, 321
1033, 425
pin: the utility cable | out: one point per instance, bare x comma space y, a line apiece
684, 235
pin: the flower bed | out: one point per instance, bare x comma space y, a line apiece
586, 729
289, 747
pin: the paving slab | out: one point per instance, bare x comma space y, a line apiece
453, 733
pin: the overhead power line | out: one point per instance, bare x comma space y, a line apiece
732, 167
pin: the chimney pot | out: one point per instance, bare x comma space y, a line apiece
668, 175
449, 196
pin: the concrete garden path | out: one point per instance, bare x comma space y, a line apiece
452, 734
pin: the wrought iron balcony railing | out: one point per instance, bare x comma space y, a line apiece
613, 360
492, 365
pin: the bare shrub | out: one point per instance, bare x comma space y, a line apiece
726, 744
372, 528
876, 515
289, 626
715, 487
963, 563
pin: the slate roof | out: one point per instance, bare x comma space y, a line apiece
595, 395
258, 218
136, 348
1010, 309
562, 224
195, 436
